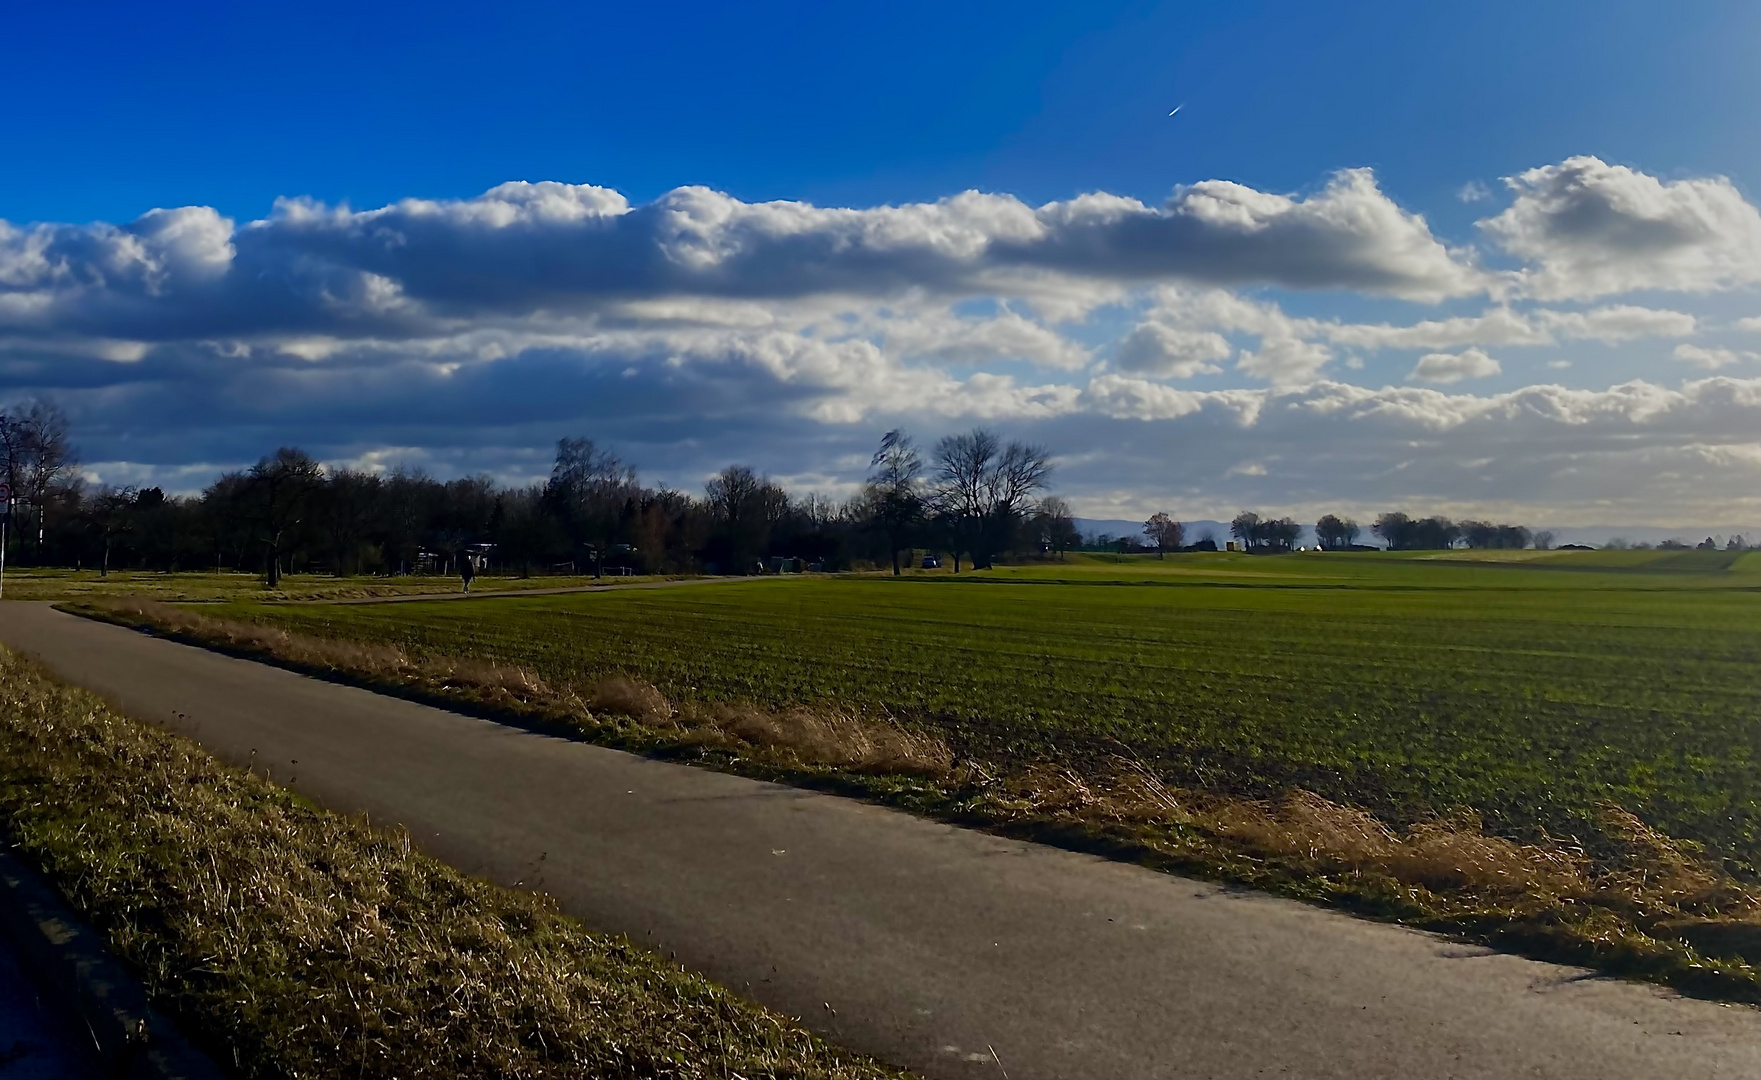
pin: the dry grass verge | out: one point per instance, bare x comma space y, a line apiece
295, 942
791, 738
1659, 910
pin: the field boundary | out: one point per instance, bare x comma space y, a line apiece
1305, 849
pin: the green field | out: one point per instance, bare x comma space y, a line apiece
1527, 688
57, 583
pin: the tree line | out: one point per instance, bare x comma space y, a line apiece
975, 496
1398, 531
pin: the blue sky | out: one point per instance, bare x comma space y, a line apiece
117, 108
1200, 369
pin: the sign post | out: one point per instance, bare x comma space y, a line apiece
5, 524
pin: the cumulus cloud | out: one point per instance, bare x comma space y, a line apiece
1504, 326
1595, 229
1169, 352
1473, 191
1284, 360
1636, 452
523, 248
1622, 322
1454, 367
466, 335
1710, 359
1200, 311
941, 336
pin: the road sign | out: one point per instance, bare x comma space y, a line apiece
6, 494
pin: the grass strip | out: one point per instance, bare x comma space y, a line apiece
1632, 901
294, 942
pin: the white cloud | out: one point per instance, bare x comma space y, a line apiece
1596, 229
698, 328
1637, 452
1498, 326
522, 249
1168, 352
1710, 359
1622, 322
1454, 367
939, 335
1473, 191
1285, 360
1138, 399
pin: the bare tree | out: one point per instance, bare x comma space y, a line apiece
1263, 535
895, 491
982, 488
346, 515
278, 490
110, 512
39, 457
1245, 528
1335, 533
962, 462
53, 457
590, 490
1393, 527
1055, 525
746, 507
1164, 532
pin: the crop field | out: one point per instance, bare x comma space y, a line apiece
55, 583
1527, 689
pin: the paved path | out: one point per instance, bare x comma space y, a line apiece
927, 945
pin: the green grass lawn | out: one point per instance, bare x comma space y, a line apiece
1527, 688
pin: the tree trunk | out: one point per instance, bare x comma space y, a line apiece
273, 575
896, 570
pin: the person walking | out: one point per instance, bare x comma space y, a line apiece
467, 569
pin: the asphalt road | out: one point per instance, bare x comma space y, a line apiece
949, 951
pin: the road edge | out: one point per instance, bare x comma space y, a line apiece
68, 956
